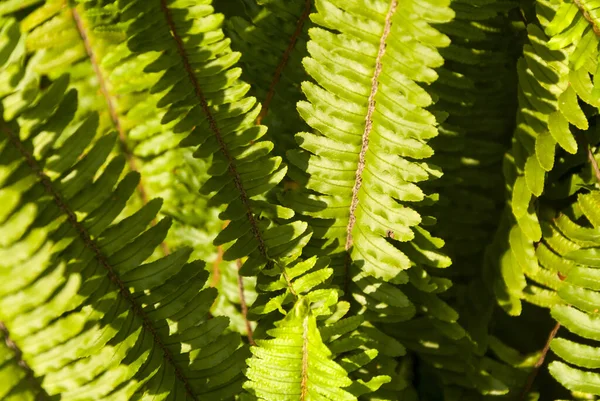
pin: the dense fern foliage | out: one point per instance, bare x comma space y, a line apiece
302, 200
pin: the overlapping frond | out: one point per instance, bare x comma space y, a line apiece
205, 99
83, 315
86, 41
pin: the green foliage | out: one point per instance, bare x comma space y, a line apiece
299, 200
90, 318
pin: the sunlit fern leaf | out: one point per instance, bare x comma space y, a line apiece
578, 314
306, 373
556, 76
84, 316
352, 177
352, 343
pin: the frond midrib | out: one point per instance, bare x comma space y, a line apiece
367, 130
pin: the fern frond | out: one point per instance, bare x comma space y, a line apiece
578, 311
349, 162
111, 82
113, 76
86, 316
554, 75
204, 97
307, 371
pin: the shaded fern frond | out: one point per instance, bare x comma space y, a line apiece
273, 44
85, 315
475, 90
204, 97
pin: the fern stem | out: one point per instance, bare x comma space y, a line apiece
587, 16
112, 110
244, 305
216, 270
539, 363
594, 164
100, 257
283, 63
367, 131
41, 393
304, 382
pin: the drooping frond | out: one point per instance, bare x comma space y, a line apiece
82, 314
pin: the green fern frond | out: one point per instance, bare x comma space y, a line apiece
307, 371
363, 211
83, 314
578, 312
555, 74
205, 99
370, 126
